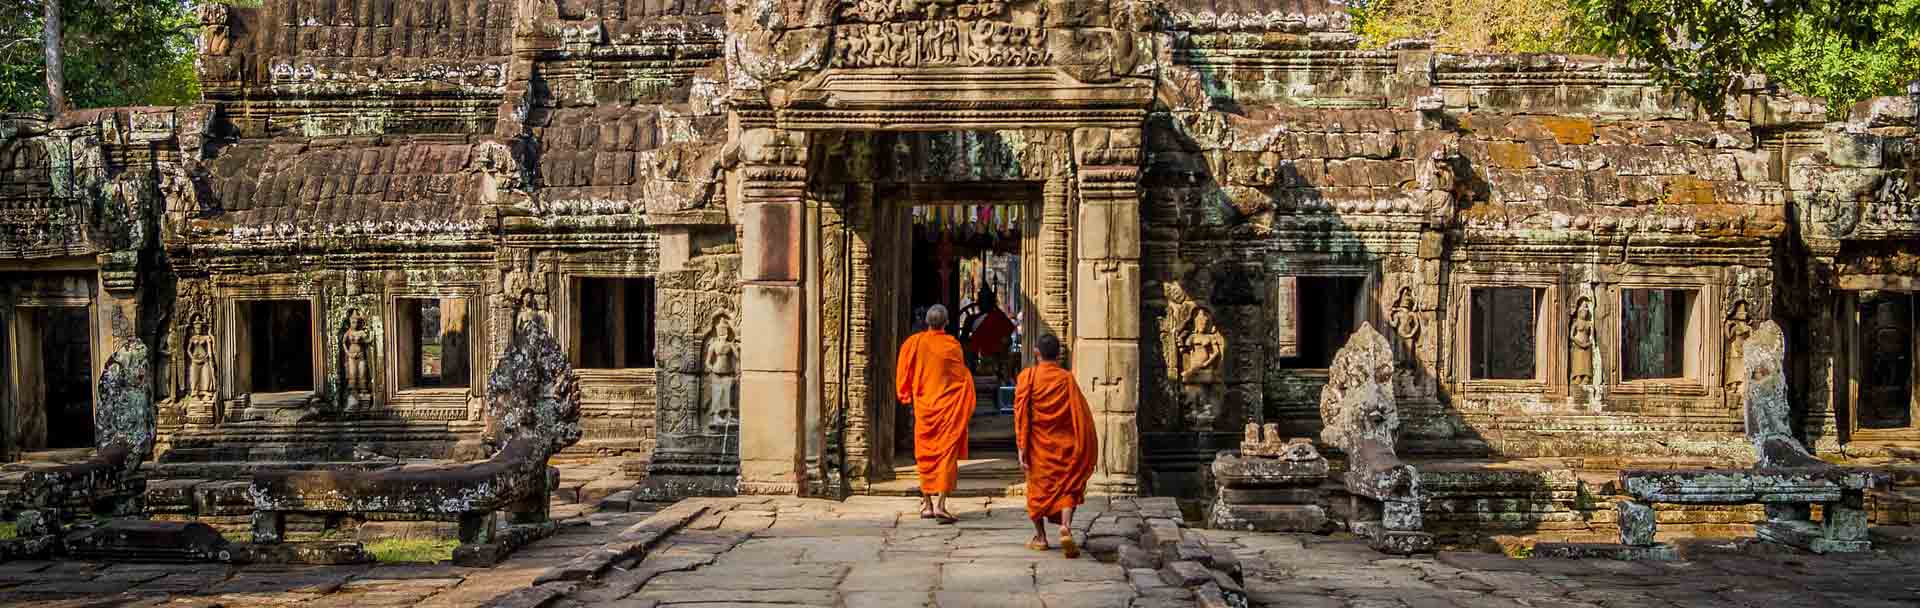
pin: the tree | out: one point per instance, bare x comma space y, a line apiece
109, 53
1705, 46
1825, 64
55, 76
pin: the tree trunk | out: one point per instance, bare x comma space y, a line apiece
56, 74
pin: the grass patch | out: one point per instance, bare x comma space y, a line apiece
412, 550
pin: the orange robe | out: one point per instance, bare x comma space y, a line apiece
1054, 429
933, 377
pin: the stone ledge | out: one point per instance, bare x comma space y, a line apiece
1660, 552
532, 597
631, 544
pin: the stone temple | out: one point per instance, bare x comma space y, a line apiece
728, 214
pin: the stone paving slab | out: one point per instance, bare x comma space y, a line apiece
871, 552
876, 552
77, 583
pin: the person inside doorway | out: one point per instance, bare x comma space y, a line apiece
1054, 432
985, 330
932, 378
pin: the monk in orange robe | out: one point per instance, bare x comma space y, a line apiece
1053, 427
933, 378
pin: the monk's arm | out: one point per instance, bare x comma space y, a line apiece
1022, 400
903, 376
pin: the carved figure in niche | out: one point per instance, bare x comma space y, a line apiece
532, 308
1406, 325
1202, 349
1180, 307
1580, 333
356, 339
722, 375
1739, 328
203, 381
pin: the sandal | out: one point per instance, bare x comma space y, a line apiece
1069, 548
1037, 545
926, 514
946, 518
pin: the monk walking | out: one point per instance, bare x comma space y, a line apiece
1053, 428
933, 378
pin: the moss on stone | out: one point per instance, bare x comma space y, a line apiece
412, 550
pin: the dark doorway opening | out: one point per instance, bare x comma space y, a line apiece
615, 324
67, 361
280, 345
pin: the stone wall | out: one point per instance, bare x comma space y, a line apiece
1284, 156
1221, 185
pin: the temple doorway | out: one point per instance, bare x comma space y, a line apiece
967, 253
48, 340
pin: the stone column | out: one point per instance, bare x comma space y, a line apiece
1106, 341
772, 183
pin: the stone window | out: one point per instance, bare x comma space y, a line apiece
1505, 329
433, 338
613, 323
275, 352
1659, 334
1884, 326
1318, 314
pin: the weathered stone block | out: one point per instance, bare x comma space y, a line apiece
1109, 230
1862, 150
1108, 307
771, 247
1185, 574
1664, 553
770, 317
131, 540
770, 431
1131, 556
1637, 523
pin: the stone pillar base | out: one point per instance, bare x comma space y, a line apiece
671, 477
1113, 485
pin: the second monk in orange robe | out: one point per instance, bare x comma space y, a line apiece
1053, 428
933, 377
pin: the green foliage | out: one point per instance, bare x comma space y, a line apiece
116, 52
1704, 46
1842, 50
8, 531
1502, 26
1824, 63
412, 550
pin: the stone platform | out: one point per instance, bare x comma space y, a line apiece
873, 551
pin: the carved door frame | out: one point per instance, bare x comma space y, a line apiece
888, 263
16, 299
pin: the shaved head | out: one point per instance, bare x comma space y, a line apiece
937, 317
1049, 347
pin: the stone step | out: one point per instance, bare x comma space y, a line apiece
996, 485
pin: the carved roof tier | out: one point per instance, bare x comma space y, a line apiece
356, 186
307, 49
